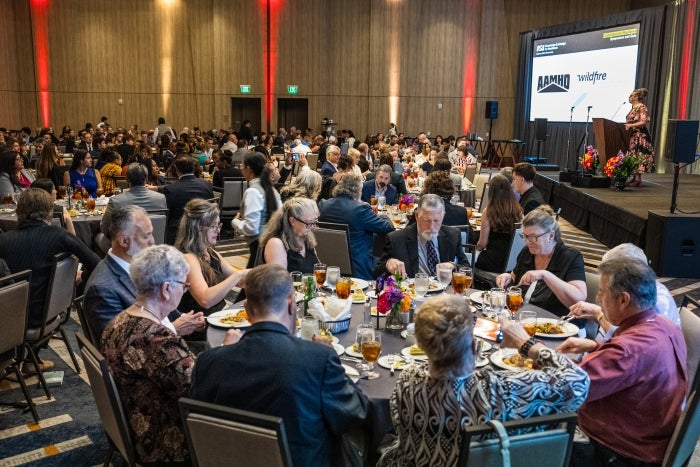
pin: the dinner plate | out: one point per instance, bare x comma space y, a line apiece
298, 297
356, 284
4, 210
406, 352
570, 329
486, 346
352, 373
340, 350
434, 286
476, 215
215, 319
360, 299
498, 356
477, 297
349, 351
481, 362
399, 362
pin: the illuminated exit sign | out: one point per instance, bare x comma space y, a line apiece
292, 89
245, 88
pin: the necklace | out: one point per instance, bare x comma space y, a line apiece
145, 309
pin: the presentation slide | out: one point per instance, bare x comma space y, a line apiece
593, 70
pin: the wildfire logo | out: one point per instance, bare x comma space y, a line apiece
553, 83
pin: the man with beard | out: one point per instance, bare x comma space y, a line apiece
421, 246
380, 186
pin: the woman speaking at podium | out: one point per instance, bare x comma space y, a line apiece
640, 139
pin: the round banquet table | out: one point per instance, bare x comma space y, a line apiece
86, 225
379, 390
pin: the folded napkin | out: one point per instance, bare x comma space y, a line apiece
335, 309
101, 201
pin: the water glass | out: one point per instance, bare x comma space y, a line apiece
497, 300
297, 281
528, 320
421, 283
444, 274
381, 202
332, 275
309, 327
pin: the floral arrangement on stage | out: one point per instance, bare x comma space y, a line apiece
590, 161
622, 165
407, 201
392, 300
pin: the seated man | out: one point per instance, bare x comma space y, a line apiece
330, 166
638, 377
396, 179
421, 246
380, 186
524, 184
300, 381
110, 290
225, 169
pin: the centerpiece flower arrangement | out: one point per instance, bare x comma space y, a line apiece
590, 161
407, 202
392, 300
621, 166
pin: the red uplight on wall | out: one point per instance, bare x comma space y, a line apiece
269, 11
39, 12
687, 49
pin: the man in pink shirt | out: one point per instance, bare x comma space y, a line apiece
638, 377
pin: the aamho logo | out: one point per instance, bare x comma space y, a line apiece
553, 83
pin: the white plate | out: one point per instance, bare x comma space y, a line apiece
569, 329
476, 214
481, 362
359, 283
434, 286
4, 210
352, 373
399, 362
340, 350
486, 346
298, 297
477, 297
406, 352
360, 300
349, 351
498, 356
215, 319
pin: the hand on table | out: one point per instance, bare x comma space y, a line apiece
187, 323
232, 336
576, 345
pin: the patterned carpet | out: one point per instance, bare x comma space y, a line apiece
70, 432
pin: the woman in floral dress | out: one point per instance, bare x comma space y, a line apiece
640, 139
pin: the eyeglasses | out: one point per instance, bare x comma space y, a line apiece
308, 225
218, 226
185, 285
533, 238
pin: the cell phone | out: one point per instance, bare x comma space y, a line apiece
487, 329
295, 157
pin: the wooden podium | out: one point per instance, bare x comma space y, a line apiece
610, 137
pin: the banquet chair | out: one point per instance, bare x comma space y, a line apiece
469, 248
550, 447
486, 279
312, 160
159, 221
88, 330
14, 295
121, 182
231, 197
690, 325
219, 435
109, 405
333, 246
484, 197
480, 179
59, 298
470, 172
685, 435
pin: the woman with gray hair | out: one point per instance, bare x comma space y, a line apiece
306, 185
151, 364
346, 208
288, 239
210, 276
554, 271
448, 392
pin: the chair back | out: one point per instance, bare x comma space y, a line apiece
61, 289
469, 249
159, 220
470, 172
592, 286
516, 245
480, 179
219, 435
333, 246
484, 197
88, 331
121, 182
106, 394
548, 448
690, 325
14, 296
232, 194
312, 160
58, 220
685, 436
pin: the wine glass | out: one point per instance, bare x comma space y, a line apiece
514, 299
332, 275
371, 348
528, 320
361, 329
296, 281
320, 273
421, 284
461, 280
444, 274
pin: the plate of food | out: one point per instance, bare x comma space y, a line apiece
353, 352
340, 350
352, 373
329, 336
433, 287
231, 318
478, 297
385, 361
510, 359
414, 352
482, 362
552, 328
356, 284
358, 296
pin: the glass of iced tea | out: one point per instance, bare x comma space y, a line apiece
470, 213
90, 204
459, 281
371, 348
61, 191
373, 200
343, 287
320, 274
528, 320
514, 299
7, 198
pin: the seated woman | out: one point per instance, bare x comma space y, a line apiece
556, 270
50, 164
47, 185
288, 239
431, 401
14, 178
211, 278
306, 185
497, 225
439, 183
151, 388
154, 176
81, 173
111, 170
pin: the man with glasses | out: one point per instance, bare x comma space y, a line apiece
523, 183
110, 289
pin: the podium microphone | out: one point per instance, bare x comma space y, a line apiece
590, 107
618, 109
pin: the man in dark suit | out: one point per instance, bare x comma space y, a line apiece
380, 186
330, 166
138, 195
179, 193
110, 290
126, 148
280, 375
225, 169
421, 246
396, 178
523, 182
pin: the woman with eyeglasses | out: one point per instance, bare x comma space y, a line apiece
288, 239
211, 278
554, 271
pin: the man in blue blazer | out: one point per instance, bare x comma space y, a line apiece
380, 186
330, 166
406, 251
363, 223
271, 371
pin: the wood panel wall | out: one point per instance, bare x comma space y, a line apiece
106, 58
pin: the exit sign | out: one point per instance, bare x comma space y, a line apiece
245, 88
292, 89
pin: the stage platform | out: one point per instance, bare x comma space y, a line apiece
615, 217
